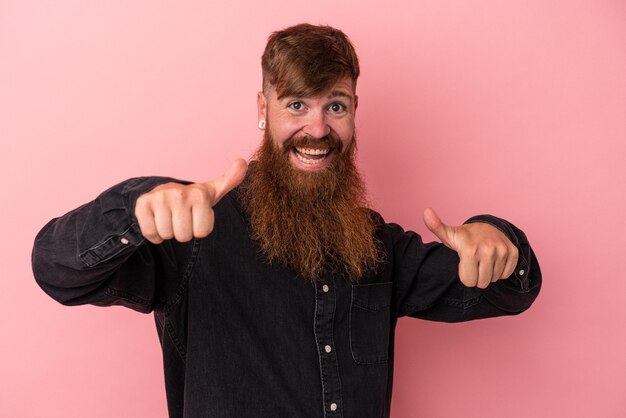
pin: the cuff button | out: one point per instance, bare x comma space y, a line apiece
124, 241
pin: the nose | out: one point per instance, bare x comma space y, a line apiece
316, 125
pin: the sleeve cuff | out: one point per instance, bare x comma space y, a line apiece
114, 217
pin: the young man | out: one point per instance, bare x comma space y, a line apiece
275, 291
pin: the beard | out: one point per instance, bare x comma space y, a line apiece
314, 222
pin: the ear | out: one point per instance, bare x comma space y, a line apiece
261, 105
356, 103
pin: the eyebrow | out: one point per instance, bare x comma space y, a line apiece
333, 94
339, 93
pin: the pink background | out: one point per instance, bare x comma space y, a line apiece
511, 108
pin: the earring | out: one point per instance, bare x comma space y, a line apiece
262, 124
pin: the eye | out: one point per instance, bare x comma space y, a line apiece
337, 108
296, 105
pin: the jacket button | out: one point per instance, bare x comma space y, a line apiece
325, 288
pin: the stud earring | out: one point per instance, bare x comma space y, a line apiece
262, 124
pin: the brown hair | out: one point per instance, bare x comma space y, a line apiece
305, 60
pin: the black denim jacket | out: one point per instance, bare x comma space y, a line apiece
242, 338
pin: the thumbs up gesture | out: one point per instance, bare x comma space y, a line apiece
486, 254
183, 212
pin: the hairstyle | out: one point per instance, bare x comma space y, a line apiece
305, 60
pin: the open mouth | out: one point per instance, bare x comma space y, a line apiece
311, 156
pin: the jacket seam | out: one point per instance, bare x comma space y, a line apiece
465, 304
128, 296
176, 297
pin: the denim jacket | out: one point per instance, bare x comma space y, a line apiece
244, 338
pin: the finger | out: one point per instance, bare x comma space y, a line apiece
163, 221
468, 271
203, 219
499, 265
498, 269
145, 219
182, 227
511, 262
437, 227
229, 180
485, 272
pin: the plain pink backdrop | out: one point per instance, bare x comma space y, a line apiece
511, 108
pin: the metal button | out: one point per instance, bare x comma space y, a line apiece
327, 348
333, 406
325, 288
124, 241
521, 272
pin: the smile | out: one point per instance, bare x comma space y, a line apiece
311, 155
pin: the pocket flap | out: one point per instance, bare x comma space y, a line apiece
373, 296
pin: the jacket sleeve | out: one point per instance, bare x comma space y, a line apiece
427, 285
96, 254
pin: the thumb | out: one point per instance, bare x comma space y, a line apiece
229, 180
444, 232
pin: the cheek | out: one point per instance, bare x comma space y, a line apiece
283, 129
345, 132
279, 137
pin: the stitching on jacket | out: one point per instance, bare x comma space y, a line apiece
91, 257
129, 296
180, 347
463, 303
319, 354
450, 302
378, 359
177, 296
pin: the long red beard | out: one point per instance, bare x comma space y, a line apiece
313, 222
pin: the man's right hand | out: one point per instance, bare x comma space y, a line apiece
183, 212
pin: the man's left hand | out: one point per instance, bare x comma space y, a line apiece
486, 254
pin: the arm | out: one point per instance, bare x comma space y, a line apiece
428, 285
118, 249
96, 253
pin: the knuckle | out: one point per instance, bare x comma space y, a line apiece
203, 232
488, 251
482, 285
474, 250
168, 193
176, 195
468, 282
184, 237
198, 193
166, 233
470, 253
152, 236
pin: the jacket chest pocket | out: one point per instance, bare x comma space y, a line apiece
370, 322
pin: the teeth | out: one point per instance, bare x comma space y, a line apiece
308, 160
313, 151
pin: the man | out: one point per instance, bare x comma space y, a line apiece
275, 291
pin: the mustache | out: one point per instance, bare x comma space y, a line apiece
311, 142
